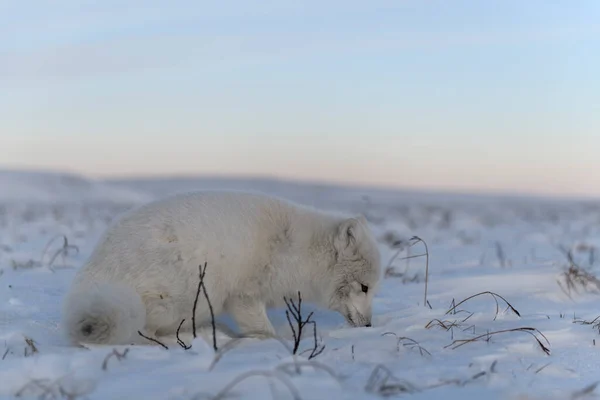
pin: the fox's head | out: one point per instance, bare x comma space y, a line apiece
356, 271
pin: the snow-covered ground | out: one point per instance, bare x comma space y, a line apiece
518, 248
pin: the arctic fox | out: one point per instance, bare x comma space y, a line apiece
143, 274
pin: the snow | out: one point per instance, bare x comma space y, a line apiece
32, 186
515, 247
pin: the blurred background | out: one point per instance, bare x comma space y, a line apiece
466, 132
461, 96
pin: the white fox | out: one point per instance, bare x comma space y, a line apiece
144, 273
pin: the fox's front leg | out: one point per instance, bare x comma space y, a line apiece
251, 316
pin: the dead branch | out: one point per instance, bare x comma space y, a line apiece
153, 340
295, 311
179, 341
116, 354
201, 286
63, 251
384, 383
31, 348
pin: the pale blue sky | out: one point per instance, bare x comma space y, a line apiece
469, 95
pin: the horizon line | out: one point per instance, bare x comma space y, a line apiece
439, 190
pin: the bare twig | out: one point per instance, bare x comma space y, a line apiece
384, 383
116, 354
418, 239
294, 311
316, 350
31, 347
179, 341
201, 286
63, 251
153, 340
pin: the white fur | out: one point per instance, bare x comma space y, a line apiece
143, 275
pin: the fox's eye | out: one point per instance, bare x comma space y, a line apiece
364, 288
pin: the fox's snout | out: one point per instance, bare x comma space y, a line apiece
358, 320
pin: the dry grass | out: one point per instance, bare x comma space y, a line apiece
407, 342
29, 264
406, 246
464, 382
31, 347
116, 354
46, 389
487, 336
63, 251
495, 296
576, 280
585, 392
382, 382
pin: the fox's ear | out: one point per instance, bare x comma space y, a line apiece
362, 219
347, 237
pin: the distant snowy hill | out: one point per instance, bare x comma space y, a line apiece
52, 187
322, 194
56, 187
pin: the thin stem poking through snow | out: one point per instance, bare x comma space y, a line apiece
531, 331
201, 286
295, 311
404, 245
153, 340
495, 296
179, 341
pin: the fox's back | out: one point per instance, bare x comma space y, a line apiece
222, 228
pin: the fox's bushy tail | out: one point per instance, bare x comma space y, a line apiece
103, 313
